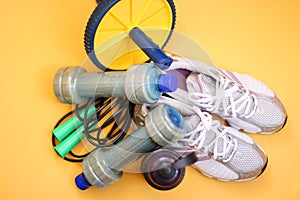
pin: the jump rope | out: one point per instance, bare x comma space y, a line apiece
116, 112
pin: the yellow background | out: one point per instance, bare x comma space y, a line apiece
37, 37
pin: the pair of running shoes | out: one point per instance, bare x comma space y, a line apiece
217, 106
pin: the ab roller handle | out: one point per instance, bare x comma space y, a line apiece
142, 83
164, 125
151, 49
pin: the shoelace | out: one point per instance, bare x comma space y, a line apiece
197, 137
225, 89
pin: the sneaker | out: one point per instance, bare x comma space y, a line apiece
223, 152
244, 102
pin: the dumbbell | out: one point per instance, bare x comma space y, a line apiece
164, 125
142, 83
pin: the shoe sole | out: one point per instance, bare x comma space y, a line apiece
238, 180
263, 133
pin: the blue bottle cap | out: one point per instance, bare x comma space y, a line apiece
81, 182
175, 117
167, 83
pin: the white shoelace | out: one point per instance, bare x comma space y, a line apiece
197, 137
225, 89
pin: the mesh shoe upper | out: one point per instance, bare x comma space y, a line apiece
225, 94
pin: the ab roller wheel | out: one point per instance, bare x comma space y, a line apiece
107, 40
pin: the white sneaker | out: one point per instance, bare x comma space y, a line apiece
223, 152
244, 102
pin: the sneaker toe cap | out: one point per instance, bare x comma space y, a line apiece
270, 114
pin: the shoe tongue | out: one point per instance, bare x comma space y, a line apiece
191, 122
201, 83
